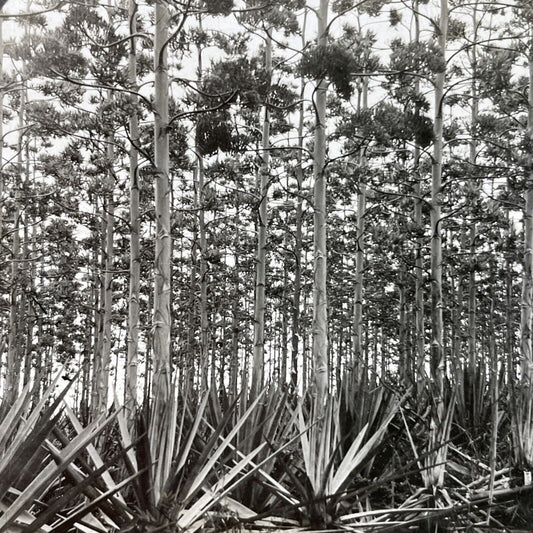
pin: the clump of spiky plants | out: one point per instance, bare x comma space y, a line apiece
33, 464
325, 469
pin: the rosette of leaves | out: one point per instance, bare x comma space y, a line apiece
331, 62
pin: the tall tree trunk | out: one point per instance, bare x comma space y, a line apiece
98, 286
437, 351
296, 301
494, 392
284, 330
360, 253
457, 314
29, 262
204, 322
190, 362
109, 214
13, 347
438, 430
320, 304
474, 111
509, 306
526, 304
403, 366
200, 195
135, 248
163, 245
420, 357
258, 365
235, 316
359, 270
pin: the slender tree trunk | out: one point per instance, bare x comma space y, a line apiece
163, 245
204, 322
235, 318
29, 262
457, 315
494, 393
320, 309
437, 327
109, 214
360, 254
190, 363
296, 302
509, 307
359, 270
403, 365
13, 347
420, 357
438, 430
135, 247
98, 287
258, 364
512, 392
472, 160
284, 331
526, 304
200, 195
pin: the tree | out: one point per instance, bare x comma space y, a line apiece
320, 309
135, 255
437, 326
163, 242
526, 304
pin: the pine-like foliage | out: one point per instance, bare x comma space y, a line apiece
333, 63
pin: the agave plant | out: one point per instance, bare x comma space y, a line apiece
26, 453
180, 473
269, 424
318, 482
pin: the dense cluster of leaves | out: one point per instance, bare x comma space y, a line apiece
333, 63
218, 7
387, 125
214, 132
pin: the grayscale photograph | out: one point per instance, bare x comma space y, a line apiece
266, 266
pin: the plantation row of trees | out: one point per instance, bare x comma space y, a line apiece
330, 199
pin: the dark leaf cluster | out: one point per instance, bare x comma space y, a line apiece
214, 132
244, 77
331, 62
387, 125
218, 7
